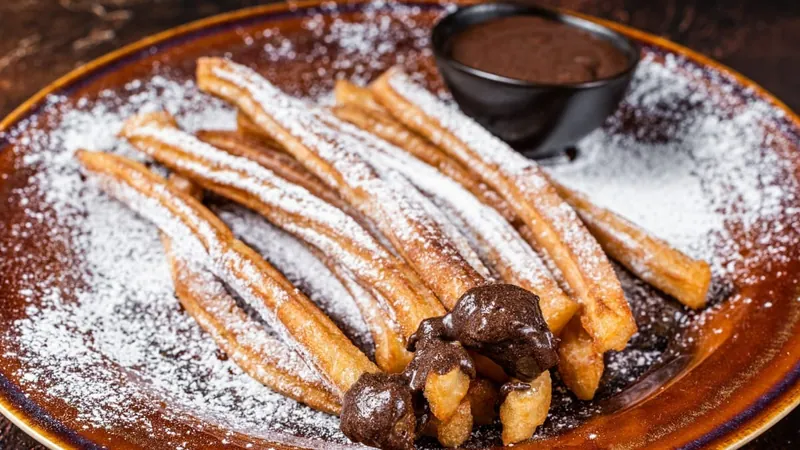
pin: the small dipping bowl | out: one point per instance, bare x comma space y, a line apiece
537, 119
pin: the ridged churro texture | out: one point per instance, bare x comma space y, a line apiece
313, 136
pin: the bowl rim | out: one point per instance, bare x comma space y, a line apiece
496, 10
759, 417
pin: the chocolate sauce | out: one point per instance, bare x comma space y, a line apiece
502, 322
378, 410
538, 50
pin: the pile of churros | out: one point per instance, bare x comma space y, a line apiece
416, 209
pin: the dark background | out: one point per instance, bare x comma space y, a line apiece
41, 40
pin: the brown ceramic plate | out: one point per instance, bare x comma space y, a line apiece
95, 352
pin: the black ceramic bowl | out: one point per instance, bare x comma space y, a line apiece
536, 119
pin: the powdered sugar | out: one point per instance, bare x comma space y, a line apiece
299, 264
491, 228
249, 176
96, 324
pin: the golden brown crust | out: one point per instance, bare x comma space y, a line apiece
579, 363
447, 391
454, 431
270, 157
347, 93
524, 410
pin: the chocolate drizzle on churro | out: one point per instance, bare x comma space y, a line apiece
434, 355
502, 322
378, 411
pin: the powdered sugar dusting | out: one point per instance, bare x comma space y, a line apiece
497, 160
114, 343
489, 230
90, 326
298, 264
717, 172
390, 202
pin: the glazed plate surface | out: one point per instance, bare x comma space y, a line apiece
94, 350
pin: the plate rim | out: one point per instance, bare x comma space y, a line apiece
756, 423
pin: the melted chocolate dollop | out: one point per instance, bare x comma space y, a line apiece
502, 322
378, 410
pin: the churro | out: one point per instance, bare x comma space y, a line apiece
579, 363
555, 225
304, 131
245, 341
202, 236
525, 407
646, 256
291, 208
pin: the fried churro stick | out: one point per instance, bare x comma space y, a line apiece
337, 160
605, 313
358, 106
525, 408
188, 224
579, 363
291, 208
455, 430
246, 342
312, 135
648, 257
498, 243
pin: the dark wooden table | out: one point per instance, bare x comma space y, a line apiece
43, 39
